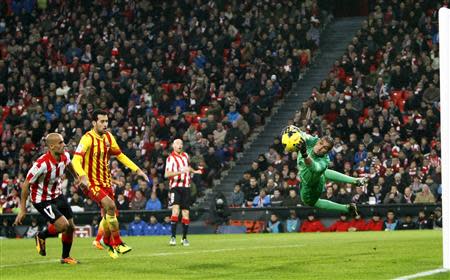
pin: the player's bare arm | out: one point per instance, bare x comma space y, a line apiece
23, 203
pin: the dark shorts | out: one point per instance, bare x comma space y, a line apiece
55, 208
180, 196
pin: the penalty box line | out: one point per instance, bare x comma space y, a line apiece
422, 274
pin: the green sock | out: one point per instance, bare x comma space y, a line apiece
339, 177
330, 205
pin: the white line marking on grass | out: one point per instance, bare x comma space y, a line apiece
422, 274
162, 254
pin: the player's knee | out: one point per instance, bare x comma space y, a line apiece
70, 228
63, 226
109, 207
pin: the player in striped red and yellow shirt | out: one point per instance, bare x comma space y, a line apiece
91, 163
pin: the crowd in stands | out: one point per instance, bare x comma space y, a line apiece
207, 72
358, 223
380, 102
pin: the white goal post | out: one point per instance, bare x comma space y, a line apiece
444, 65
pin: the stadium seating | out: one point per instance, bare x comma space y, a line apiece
54, 70
386, 73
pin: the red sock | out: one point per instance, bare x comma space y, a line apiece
115, 238
99, 234
67, 238
67, 244
51, 229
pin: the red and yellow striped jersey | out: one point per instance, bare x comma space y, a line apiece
95, 152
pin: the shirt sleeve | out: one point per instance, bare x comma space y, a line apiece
68, 160
83, 146
169, 164
36, 171
115, 149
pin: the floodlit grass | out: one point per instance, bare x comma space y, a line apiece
359, 255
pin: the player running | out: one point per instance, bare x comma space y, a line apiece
312, 163
91, 163
44, 180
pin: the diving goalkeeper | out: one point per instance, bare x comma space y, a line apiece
312, 163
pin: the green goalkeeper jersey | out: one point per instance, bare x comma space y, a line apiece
311, 174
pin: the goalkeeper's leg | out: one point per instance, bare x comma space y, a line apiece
311, 197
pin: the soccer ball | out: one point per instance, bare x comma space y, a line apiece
290, 138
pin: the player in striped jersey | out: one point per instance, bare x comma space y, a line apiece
44, 180
179, 173
91, 163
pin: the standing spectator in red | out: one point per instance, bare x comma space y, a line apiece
340, 225
357, 224
375, 224
311, 224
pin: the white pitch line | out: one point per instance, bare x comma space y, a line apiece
422, 274
162, 254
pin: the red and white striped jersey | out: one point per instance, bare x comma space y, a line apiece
45, 177
175, 163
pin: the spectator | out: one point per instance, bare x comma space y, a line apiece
153, 227
33, 229
138, 202
153, 203
276, 200
162, 193
375, 224
437, 218
329, 194
340, 225
136, 227
393, 197
408, 223
311, 224
261, 200
237, 197
343, 197
76, 200
6, 230
360, 197
122, 203
357, 224
165, 226
391, 223
408, 196
293, 222
252, 190
423, 222
425, 196
274, 225
376, 196
89, 205
292, 200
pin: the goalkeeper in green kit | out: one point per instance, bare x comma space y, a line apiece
312, 163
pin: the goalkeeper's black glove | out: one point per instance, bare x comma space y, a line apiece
302, 148
362, 181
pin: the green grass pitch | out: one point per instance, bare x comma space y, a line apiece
359, 255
